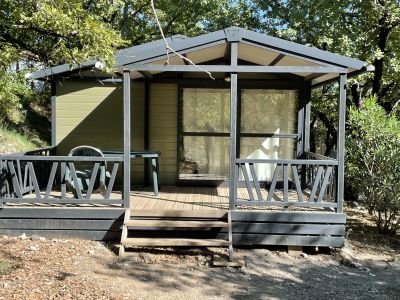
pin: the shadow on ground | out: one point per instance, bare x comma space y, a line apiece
267, 274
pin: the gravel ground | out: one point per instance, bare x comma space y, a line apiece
367, 268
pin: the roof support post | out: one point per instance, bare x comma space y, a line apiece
127, 137
233, 130
146, 129
53, 112
307, 118
340, 142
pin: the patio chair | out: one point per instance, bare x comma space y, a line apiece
84, 170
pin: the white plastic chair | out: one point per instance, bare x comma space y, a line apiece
84, 170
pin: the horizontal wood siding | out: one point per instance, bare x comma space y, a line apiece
163, 128
90, 113
288, 228
93, 224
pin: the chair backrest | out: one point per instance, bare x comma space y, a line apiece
85, 151
87, 166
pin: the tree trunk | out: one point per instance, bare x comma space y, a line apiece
383, 34
331, 134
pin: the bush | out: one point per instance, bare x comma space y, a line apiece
373, 162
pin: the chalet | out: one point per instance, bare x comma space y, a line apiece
211, 154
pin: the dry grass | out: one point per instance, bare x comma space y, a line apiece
6, 266
12, 141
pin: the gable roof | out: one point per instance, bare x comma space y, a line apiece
254, 47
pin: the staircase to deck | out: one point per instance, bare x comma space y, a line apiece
171, 228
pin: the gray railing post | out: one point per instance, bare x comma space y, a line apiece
340, 142
127, 138
53, 112
233, 130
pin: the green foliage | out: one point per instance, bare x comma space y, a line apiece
54, 32
366, 30
373, 162
136, 22
39, 33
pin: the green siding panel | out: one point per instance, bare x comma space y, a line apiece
90, 113
163, 128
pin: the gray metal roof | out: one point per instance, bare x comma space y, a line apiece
154, 51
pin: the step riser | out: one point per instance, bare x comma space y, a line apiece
174, 224
178, 214
133, 242
175, 229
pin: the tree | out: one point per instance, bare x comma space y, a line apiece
368, 30
44, 33
53, 32
373, 162
136, 21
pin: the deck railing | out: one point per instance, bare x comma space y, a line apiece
37, 177
294, 183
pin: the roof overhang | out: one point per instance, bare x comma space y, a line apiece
63, 69
257, 53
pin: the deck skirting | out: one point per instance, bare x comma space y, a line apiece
249, 228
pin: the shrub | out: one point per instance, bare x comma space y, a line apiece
373, 162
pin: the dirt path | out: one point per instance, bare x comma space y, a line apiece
368, 268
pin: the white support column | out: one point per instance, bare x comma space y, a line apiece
127, 137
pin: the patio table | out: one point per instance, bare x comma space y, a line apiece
147, 154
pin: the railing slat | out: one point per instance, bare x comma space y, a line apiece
92, 180
247, 180
273, 183
20, 179
285, 183
255, 181
16, 186
26, 174
62, 175
75, 179
34, 180
316, 183
112, 179
324, 183
297, 184
51, 179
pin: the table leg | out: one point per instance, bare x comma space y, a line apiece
154, 167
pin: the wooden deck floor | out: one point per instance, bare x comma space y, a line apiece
181, 198
200, 198
177, 198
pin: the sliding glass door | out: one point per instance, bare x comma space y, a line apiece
267, 129
204, 138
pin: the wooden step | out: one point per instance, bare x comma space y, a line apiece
165, 242
178, 223
153, 213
